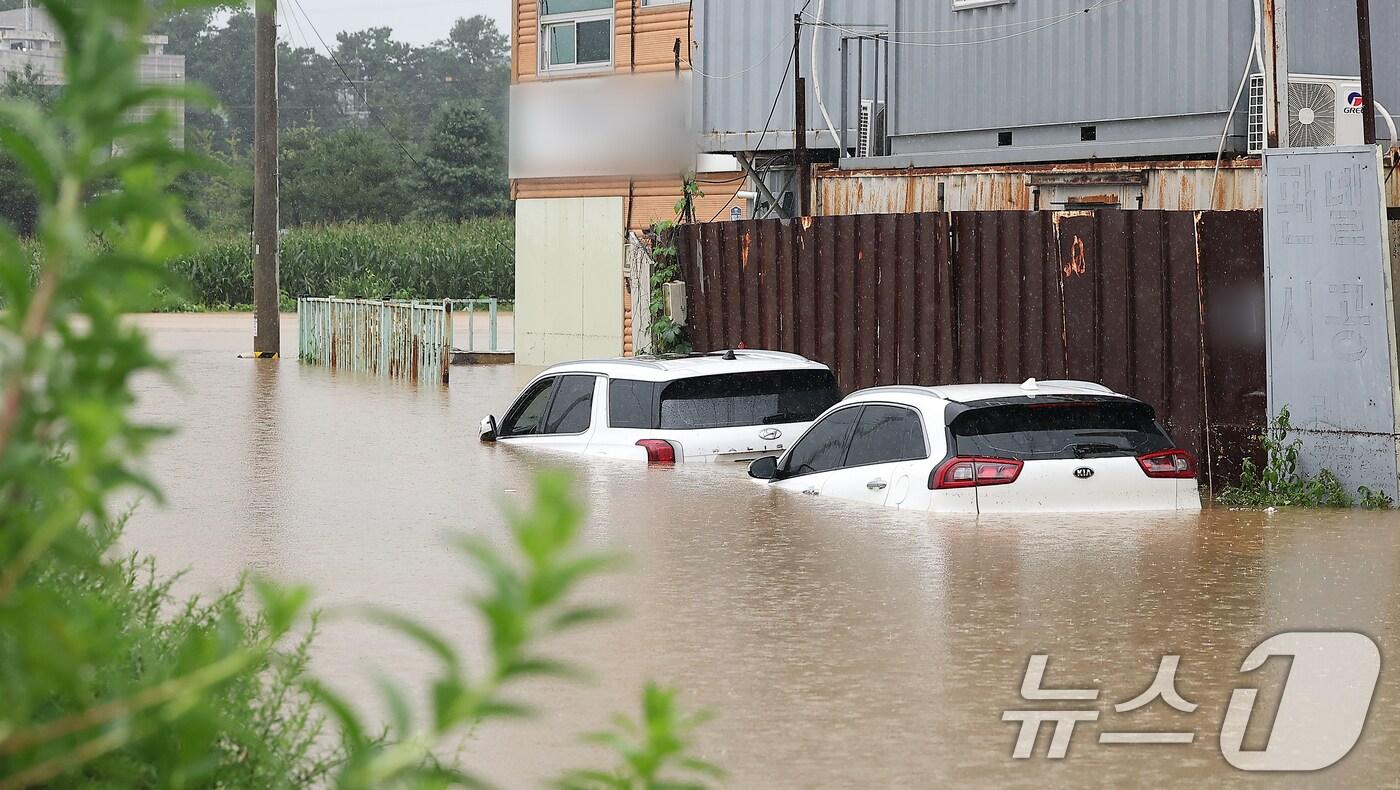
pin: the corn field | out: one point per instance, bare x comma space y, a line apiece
406, 261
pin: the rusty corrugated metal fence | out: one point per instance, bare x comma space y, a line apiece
411, 340
1164, 306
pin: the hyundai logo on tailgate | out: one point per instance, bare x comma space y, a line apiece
770, 434
1083, 473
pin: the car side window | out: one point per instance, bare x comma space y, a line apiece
631, 404
572, 410
527, 415
823, 448
887, 434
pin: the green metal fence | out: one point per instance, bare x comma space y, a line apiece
411, 340
491, 307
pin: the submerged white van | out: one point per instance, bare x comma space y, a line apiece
731, 406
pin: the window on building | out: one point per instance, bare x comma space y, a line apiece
576, 34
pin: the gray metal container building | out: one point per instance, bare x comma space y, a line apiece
971, 82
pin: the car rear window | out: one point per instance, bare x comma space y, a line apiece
738, 399
1059, 429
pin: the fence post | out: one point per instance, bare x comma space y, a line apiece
494, 307
446, 345
471, 325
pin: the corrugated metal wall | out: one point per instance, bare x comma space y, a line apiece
1123, 60
744, 46
1117, 297
1156, 77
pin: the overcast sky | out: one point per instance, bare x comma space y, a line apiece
414, 21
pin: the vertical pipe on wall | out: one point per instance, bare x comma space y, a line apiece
1276, 72
804, 175
1368, 74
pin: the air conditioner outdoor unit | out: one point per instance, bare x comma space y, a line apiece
870, 130
1322, 111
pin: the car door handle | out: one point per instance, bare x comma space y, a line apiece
877, 485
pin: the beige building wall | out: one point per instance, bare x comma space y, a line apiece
569, 255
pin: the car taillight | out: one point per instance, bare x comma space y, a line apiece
1177, 464
975, 472
658, 451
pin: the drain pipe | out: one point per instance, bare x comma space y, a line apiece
1390, 122
817, 75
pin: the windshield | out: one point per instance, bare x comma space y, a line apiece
1064, 428
740, 399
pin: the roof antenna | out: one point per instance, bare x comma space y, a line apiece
729, 356
1031, 385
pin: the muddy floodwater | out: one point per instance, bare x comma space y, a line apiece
837, 645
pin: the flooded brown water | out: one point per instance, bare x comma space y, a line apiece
839, 646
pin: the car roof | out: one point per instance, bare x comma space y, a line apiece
671, 368
974, 393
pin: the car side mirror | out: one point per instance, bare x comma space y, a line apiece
488, 428
765, 468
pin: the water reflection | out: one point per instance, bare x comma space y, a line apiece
841, 645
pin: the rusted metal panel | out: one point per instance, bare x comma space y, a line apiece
411, 340
1143, 301
1167, 186
1232, 274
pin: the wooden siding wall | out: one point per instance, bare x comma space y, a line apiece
652, 199
657, 29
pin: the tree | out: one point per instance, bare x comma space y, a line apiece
342, 176
463, 173
19, 204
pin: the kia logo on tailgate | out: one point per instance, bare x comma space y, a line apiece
1083, 473
771, 434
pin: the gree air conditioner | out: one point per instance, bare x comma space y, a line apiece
1322, 111
870, 129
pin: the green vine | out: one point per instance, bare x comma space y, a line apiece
1280, 483
667, 336
690, 190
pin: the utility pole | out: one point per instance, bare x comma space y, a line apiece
1275, 45
267, 338
1368, 69
804, 172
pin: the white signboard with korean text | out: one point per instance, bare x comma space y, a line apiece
1330, 307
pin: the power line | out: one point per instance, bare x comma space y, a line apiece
351, 82
889, 36
782, 82
740, 73
305, 42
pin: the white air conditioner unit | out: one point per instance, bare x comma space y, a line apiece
870, 129
1322, 111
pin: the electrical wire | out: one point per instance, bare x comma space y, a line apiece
351, 82
985, 28
741, 72
305, 40
782, 82
1254, 54
890, 35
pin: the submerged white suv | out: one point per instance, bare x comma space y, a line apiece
1054, 446
731, 406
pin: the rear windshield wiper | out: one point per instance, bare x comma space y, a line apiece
1086, 450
